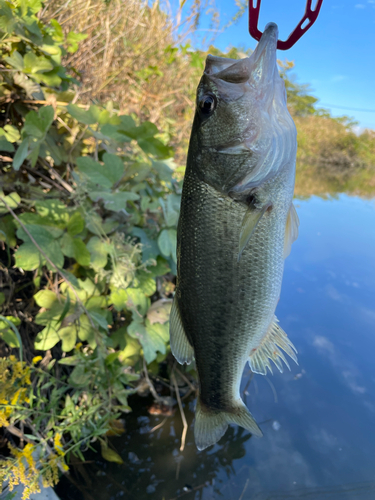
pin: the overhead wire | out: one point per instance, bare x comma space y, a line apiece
347, 108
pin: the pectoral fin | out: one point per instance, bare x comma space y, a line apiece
180, 345
291, 230
249, 223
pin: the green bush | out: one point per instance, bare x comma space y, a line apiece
88, 214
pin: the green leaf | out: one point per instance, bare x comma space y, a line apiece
73, 40
5, 145
94, 171
32, 89
75, 248
15, 60
38, 124
83, 116
99, 252
146, 283
159, 329
171, 208
150, 249
70, 361
111, 132
68, 336
86, 332
96, 302
52, 78
58, 35
47, 338
155, 147
54, 312
57, 152
31, 220
114, 201
114, 166
131, 348
21, 154
152, 339
159, 311
12, 200
9, 332
34, 64
167, 242
45, 298
80, 376
52, 210
66, 309
99, 319
10, 133
81, 254
28, 256
110, 455
160, 269
129, 299
8, 230
127, 123
76, 224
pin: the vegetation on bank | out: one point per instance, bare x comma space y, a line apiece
95, 101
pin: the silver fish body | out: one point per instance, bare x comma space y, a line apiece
236, 226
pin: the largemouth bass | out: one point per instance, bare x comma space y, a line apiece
236, 226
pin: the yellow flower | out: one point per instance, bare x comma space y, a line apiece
4, 418
58, 444
28, 455
53, 461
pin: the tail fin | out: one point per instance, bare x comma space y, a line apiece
210, 425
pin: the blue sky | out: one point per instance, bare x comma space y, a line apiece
336, 56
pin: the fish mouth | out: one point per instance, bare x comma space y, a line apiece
254, 69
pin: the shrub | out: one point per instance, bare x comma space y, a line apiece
88, 213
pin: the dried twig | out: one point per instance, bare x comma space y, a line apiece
159, 425
245, 488
150, 384
183, 418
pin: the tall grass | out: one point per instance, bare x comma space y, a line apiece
130, 56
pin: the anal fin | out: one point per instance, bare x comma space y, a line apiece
180, 345
269, 349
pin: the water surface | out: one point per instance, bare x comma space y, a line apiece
318, 420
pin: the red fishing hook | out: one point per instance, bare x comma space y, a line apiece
310, 16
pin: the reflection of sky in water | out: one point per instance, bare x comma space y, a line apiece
319, 438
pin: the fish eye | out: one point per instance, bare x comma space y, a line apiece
207, 104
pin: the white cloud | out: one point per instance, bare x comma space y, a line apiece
338, 78
360, 6
324, 344
345, 367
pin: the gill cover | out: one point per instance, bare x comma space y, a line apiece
251, 102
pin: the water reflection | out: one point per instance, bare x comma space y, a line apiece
334, 179
319, 440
